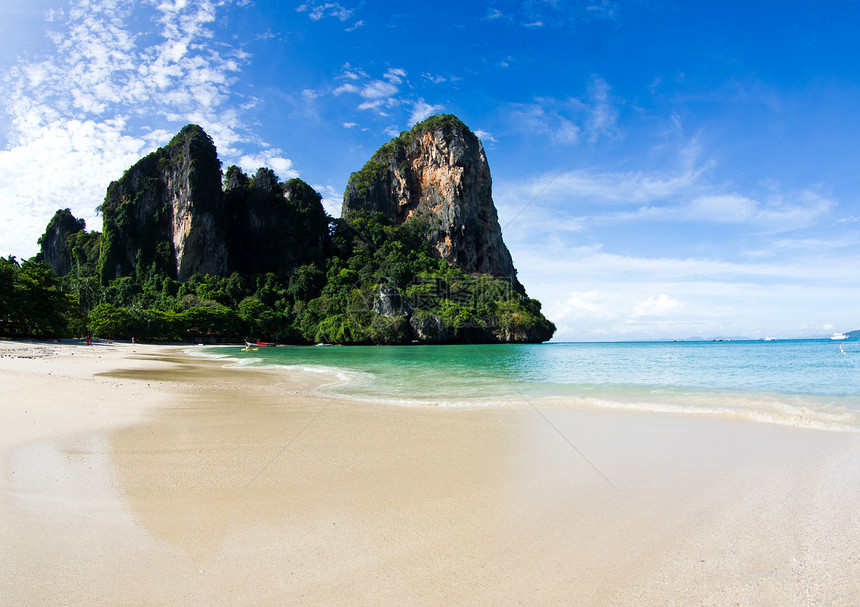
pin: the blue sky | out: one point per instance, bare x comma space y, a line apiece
661, 170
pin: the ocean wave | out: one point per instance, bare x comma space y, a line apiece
435, 382
784, 410
769, 409
201, 352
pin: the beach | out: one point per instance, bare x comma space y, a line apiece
141, 475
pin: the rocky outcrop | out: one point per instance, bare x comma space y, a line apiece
273, 226
428, 328
166, 212
389, 303
437, 173
427, 192
57, 243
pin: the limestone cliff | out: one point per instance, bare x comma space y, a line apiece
166, 212
376, 276
437, 172
273, 226
57, 243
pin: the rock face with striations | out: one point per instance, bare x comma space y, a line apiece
166, 212
437, 172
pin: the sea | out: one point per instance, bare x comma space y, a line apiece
804, 383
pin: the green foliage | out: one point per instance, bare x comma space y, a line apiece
62, 221
365, 180
334, 303
66, 245
138, 209
273, 227
32, 302
112, 322
9, 296
298, 276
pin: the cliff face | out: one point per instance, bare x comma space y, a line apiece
437, 172
166, 212
57, 243
300, 276
273, 227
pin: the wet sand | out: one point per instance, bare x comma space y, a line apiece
138, 475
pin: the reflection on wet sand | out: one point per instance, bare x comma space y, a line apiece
234, 458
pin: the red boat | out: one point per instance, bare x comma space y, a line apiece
260, 344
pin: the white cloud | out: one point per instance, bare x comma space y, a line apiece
783, 213
722, 208
54, 14
603, 9
378, 89
602, 111
62, 165
686, 194
371, 105
318, 10
386, 96
663, 305
422, 110
484, 136
379, 94
604, 187
592, 293
435, 79
541, 118
395, 75
564, 121
105, 96
282, 167
586, 306
347, 87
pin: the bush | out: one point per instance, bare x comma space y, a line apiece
112, 322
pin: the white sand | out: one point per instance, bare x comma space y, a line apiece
238, 487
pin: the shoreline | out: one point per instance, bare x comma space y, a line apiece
152, 476
830, 413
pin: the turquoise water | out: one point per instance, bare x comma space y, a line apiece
809, 383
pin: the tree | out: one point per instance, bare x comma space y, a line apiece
112, 322
42, 306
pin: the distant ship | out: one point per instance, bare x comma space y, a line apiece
769, 338
839, 336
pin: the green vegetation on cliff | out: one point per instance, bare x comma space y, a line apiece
66, 245
344, 298
140, 210
284, 270
273, 226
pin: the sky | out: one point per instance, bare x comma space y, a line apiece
662, 170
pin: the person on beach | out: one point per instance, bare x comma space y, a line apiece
89, 341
